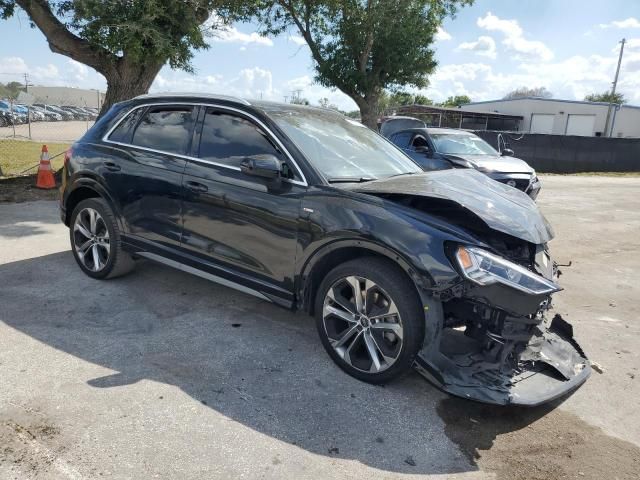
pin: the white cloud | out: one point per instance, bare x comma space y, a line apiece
13, 65
79, 71
485, 46
314, 92
255, 82
233, 35
298, 40
630, 22
514, 40
490, 22
571, 78
442, 35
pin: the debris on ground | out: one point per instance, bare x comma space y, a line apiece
333, 450
410, 461
597, 367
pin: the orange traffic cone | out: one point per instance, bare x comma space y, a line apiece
45, 174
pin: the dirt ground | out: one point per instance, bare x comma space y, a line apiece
23, 189
161, 374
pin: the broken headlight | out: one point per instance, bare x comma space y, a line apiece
485, 268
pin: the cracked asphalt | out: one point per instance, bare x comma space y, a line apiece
161, 374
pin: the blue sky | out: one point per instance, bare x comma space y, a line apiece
570, 47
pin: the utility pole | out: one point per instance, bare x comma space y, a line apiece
26, 83
607, 133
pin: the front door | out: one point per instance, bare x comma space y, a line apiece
246, 226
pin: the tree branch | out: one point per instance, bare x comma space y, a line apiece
62, 40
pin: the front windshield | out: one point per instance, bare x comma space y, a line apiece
341, 148
461, 144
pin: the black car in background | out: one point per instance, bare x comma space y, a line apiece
448, 271
436, 148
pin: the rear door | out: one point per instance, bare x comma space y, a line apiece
145, 171
245, 226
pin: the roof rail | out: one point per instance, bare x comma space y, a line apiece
211, 96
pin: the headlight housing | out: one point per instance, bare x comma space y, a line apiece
485, 268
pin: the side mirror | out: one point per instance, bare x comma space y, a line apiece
507, 152
264, 166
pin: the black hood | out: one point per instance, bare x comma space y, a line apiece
501, 207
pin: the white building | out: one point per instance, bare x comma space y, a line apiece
75, 97
566, 117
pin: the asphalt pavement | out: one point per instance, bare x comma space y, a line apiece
161, 374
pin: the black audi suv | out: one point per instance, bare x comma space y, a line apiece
445, 271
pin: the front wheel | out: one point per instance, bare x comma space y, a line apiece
370, 320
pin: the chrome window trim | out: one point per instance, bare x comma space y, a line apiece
261, 124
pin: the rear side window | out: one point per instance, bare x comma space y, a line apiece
228, 139
123, 131
165, 128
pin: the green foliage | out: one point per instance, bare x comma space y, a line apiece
363, 47
140, 30
401, 98
606, 97
456, 101
540, 92
11, 89
422, 100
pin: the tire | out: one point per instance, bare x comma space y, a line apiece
104, 241
350, 339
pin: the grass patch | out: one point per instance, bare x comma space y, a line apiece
16, 156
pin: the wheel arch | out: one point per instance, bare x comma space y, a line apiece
83, 189
323, 260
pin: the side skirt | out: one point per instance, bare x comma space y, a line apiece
203, 274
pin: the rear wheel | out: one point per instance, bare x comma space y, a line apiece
95, 240
370, 320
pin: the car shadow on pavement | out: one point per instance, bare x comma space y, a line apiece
253, 362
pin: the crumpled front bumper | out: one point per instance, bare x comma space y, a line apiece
530, 361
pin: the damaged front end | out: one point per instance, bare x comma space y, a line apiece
491, 336
495, 340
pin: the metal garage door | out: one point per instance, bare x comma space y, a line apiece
582, 125
542, 123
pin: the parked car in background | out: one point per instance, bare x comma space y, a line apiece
310, 210
6, 118
390, 125
49, 115
443, 148
64, 114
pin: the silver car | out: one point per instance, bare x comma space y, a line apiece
441, 148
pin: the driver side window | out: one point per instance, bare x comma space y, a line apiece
228, 139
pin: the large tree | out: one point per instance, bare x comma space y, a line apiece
606, 97
363, 47
456, 101
522, 92
127, 41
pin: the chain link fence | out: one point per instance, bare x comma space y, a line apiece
29, 121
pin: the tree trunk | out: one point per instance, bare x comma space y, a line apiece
126, 81
369, 111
